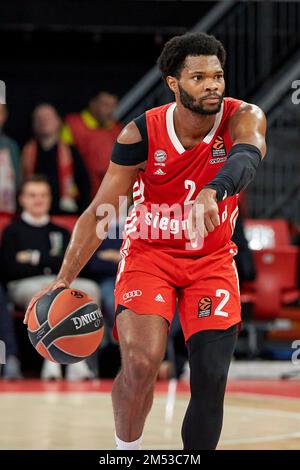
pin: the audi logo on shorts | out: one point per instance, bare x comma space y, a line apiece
129, 295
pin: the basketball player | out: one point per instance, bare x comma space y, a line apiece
203, 149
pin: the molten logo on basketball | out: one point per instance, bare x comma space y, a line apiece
87, 318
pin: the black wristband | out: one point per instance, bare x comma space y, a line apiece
238, 171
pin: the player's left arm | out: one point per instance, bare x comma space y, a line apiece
248, 131
248, 126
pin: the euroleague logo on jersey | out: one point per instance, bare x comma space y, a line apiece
218, 150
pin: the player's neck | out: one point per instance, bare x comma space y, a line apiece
190, 127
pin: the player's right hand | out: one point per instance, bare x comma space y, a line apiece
207, 198
54, 285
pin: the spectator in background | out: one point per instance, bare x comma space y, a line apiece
61, 163
9, 167
103, 267
94, 132
11, 370
31, 255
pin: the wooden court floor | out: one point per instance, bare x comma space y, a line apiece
36, 415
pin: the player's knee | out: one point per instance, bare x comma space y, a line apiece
140, 368
209, 362
210, 382
215, 379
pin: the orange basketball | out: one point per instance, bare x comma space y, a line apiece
65, 326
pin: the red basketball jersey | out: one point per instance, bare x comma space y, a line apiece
164, 192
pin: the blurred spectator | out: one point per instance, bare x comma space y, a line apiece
11, 370
10, 167
103, 268
32, 253
61, 163
94, 132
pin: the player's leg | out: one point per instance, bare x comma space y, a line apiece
210, 354
142, 341
145, 304
209, 312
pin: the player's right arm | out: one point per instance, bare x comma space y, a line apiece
118, 181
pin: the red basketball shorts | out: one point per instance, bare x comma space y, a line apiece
150, 281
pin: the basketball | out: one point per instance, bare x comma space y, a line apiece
65, 326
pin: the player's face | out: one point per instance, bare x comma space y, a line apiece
201, 85
36, 199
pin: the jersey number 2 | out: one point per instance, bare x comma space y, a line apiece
220, 293
191, 185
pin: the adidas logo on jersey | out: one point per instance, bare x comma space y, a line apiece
159, 298
159, 172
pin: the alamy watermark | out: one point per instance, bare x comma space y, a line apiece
154, 222
2, 352
2, 92
296, 93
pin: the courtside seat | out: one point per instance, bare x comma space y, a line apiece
276, 280
263, 234
276, 262
275, 286
267, 233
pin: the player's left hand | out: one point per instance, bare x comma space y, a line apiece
208, 210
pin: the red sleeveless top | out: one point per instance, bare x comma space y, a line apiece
164, 192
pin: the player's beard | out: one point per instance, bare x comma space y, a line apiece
189, 102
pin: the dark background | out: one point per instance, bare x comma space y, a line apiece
63, 52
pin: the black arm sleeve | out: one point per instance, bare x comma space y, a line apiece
237, 172
133, 154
